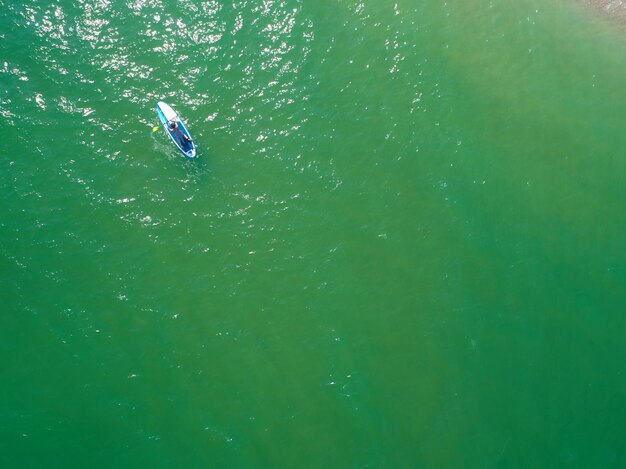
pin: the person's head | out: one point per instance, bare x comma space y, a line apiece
172, 125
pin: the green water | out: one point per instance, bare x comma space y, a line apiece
401, 246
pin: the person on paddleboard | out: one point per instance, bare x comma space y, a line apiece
182, 138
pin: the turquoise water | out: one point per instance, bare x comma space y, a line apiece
401, 246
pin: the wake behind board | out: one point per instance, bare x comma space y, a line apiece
167, 115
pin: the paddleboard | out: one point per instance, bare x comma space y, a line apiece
167, 115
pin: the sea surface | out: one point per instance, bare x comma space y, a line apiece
402, 245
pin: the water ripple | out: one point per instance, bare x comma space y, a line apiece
237, 73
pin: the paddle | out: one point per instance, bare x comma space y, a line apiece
156, 127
